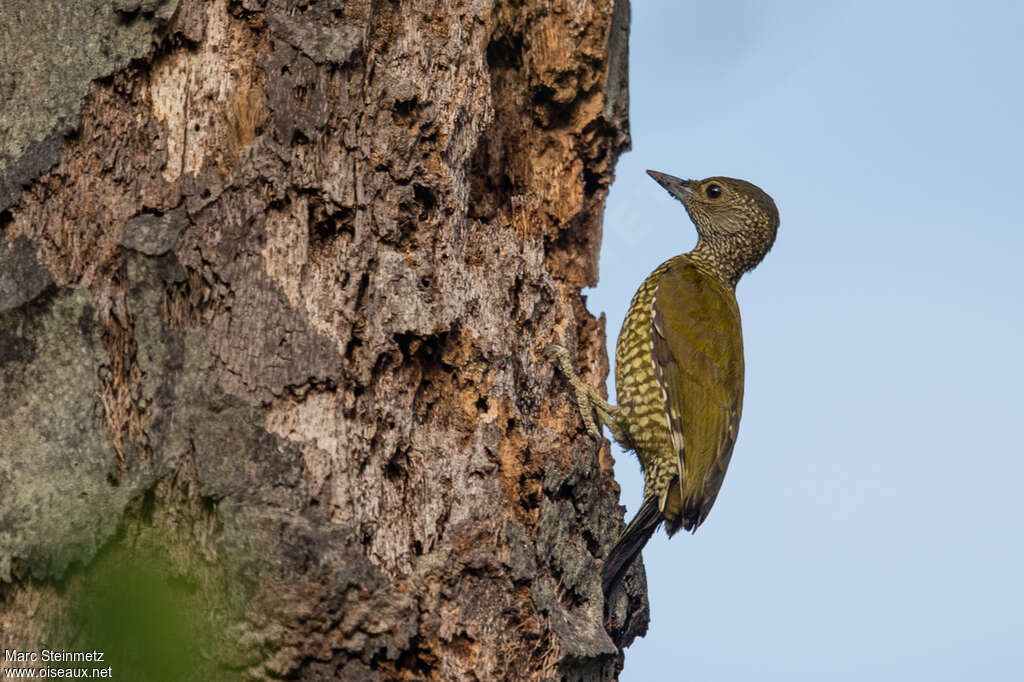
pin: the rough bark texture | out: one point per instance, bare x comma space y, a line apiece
275, 282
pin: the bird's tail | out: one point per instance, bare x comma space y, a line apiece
629, 544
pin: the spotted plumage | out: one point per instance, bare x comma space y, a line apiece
679, 363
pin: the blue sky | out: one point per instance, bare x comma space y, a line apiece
872, 523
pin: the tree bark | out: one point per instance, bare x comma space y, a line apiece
275, 283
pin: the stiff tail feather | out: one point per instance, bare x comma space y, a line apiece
633, 539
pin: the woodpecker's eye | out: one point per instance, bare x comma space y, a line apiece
713, 191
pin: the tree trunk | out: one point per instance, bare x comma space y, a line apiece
275, 283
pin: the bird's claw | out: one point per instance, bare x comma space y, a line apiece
553, 350
560, 355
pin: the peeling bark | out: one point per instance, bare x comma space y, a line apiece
275, 283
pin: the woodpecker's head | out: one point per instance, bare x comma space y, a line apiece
736, 221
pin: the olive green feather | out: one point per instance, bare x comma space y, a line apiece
698, 353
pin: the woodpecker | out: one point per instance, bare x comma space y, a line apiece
679, 363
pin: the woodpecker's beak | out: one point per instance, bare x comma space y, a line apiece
677, 187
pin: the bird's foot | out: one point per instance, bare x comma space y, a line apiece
561, 357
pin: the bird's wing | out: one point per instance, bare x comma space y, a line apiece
698, 358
